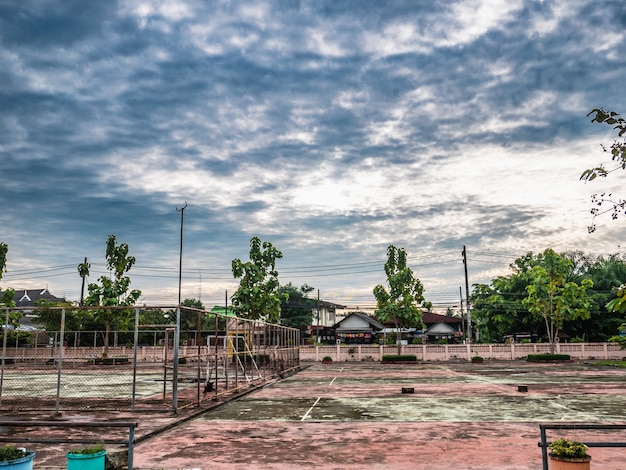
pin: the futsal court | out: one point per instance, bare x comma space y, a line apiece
374, 416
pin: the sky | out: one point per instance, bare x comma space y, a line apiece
329, 128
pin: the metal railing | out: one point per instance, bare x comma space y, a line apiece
544, 441
65, 424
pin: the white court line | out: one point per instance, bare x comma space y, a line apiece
306, 415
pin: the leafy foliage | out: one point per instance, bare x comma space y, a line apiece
114, 292
6, 299
257, 296
8, 453
95, 449
4, 249
498, 309
570, 449
296, 310
401, 302
618, 154
50, 317
552, 297
548, 357
618, 304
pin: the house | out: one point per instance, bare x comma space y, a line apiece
28, 297
357, 328
324, 319
442, 326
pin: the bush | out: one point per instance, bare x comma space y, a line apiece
400, 358
569, 449
327, 359
477, 359
88, 450
8, 453
548, 357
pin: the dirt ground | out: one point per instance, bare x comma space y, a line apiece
355, 415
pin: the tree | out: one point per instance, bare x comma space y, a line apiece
189, 315
616, 206
113, 292
6, 300
498, 310
552, 297
257, 296
605, 272
402, 300
618, 154
83, 272
296, 310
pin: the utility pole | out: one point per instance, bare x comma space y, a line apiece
318, 315
467, 303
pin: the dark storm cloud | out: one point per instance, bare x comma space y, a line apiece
343, 125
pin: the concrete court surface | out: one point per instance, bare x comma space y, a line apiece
354, 415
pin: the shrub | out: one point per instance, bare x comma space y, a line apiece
327, 359
88, 450
477, 359
8, 453
399, 358
548, 357
569, 449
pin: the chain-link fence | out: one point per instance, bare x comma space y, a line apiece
151, 366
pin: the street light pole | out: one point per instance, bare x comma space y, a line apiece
467, 303
177, 331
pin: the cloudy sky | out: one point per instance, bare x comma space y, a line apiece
331, 128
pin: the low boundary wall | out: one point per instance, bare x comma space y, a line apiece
449, 352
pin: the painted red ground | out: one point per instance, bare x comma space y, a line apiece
354, 416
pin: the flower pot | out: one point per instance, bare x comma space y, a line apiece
24, 463
569, 463
93, 461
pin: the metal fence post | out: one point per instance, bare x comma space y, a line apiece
4, 350
135, 343
60, 362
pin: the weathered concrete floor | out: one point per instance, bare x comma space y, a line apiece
354, 415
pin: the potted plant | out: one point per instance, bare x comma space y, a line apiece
16, 458
327, 360
568, 455
89, 458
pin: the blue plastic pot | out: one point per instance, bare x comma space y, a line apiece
25, 463
93, 461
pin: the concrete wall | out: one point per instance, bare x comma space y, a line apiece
447, 352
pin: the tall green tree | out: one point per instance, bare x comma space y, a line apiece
401, 301
605, 272
257, 296
83, 271
114, 291
6, 300
552, 297
296, 309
